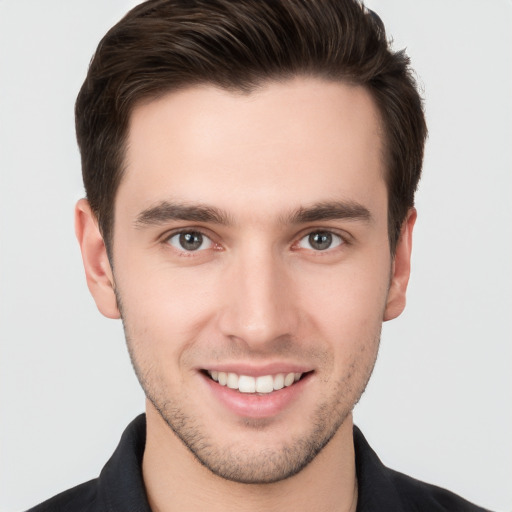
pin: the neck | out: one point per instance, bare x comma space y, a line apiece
176, 481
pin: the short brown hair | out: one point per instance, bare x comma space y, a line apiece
164, 45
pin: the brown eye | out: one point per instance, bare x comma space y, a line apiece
320, 241
190, 241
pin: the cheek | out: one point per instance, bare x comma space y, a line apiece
165, 308
346, 294
346, 306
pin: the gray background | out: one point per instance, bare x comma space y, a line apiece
439, 406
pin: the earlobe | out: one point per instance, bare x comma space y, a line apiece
401, 269
98, 271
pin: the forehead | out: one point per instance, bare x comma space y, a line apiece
284, 144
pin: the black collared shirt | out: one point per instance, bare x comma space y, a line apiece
120, 487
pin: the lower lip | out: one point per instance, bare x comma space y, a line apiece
252, 405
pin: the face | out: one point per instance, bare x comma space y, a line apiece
252, 267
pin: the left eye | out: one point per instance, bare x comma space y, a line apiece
190, 241
320, 241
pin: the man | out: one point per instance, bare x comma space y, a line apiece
250, 170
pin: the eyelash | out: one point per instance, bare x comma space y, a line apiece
342, 240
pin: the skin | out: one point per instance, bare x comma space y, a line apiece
256, 296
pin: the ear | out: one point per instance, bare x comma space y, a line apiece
401, 269
98, 272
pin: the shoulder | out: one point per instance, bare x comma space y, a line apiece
82, 498
119, 486
418, 496
382, 488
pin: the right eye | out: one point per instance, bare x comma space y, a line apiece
190, 241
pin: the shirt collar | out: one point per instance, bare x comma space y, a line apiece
121, 486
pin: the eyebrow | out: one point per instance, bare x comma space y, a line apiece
166, 211
330, 210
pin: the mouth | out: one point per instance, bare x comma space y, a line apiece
262, 385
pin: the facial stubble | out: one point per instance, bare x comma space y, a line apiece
251, 464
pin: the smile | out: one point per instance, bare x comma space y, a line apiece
247, 384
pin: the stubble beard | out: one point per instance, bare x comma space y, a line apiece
249, 465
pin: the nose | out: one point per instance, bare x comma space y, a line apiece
259, 306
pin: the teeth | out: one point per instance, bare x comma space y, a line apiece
265, 384
279, 381
232, 381
289, 379
247, 384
